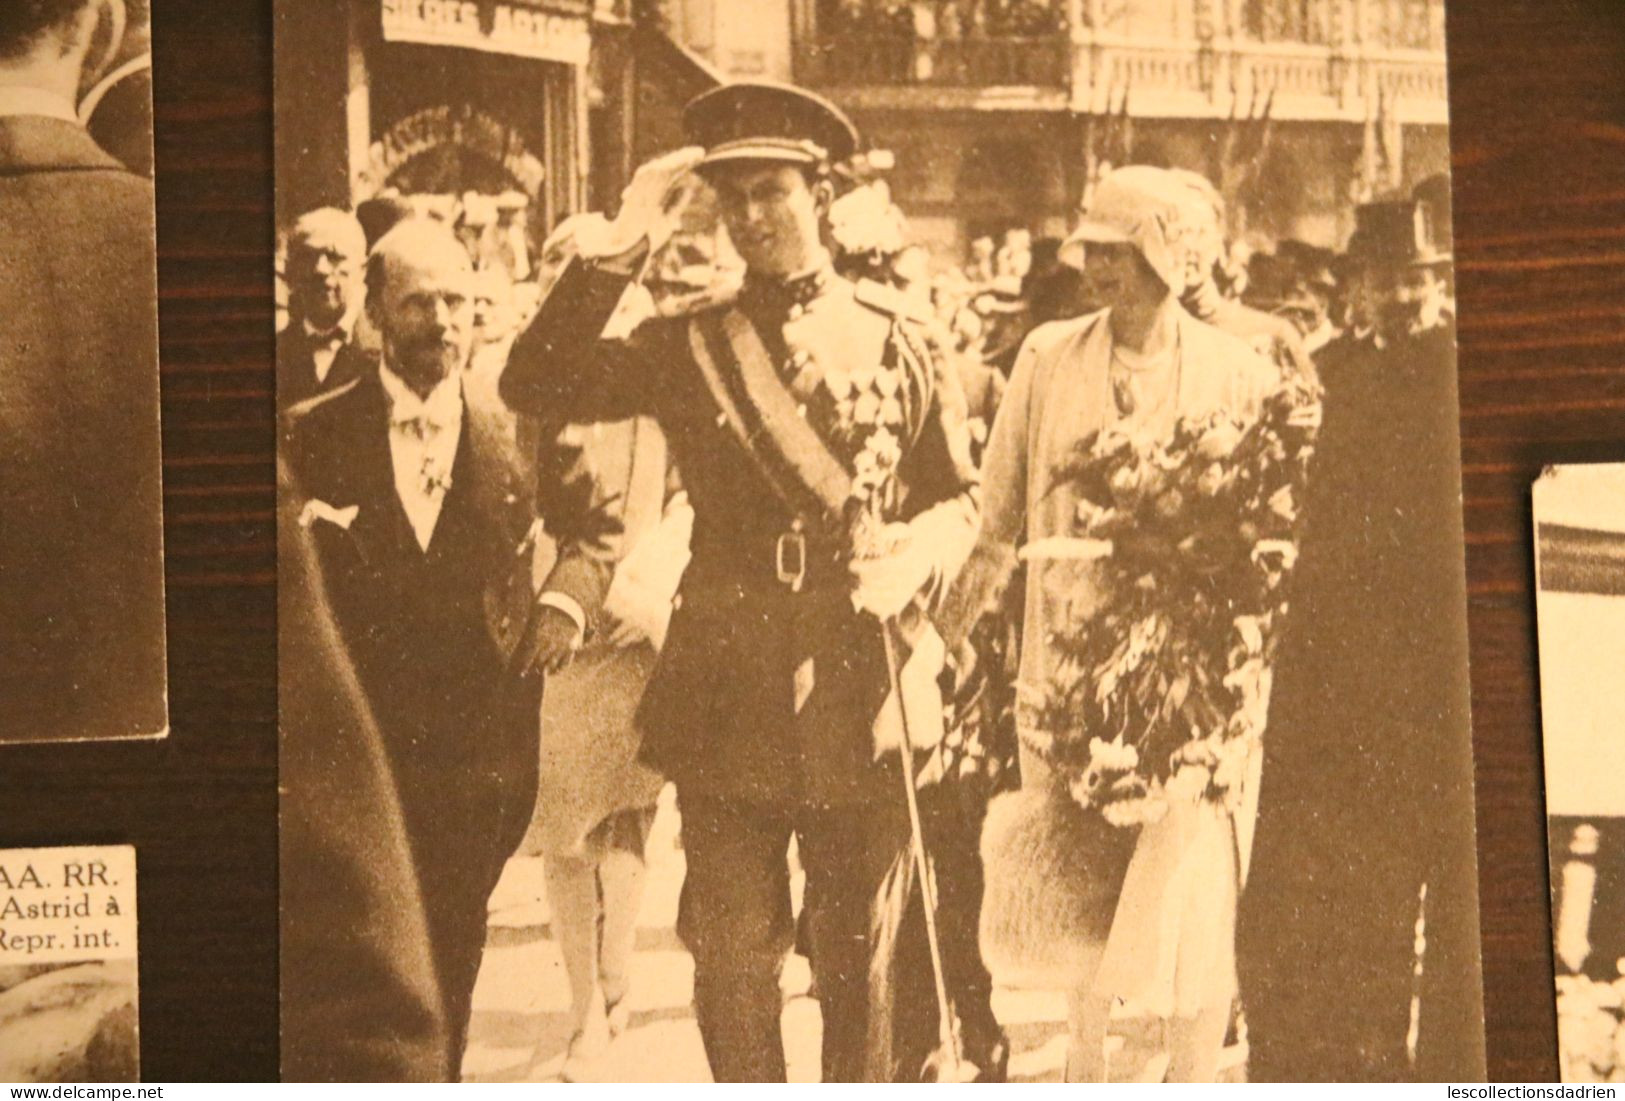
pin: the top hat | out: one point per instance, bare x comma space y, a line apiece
1394, 234
1434, 195
1268, 280
1308, 265
759, 121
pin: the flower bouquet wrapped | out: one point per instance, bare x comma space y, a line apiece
1161, 687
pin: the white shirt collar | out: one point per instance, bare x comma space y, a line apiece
423, 438
18, 100
443, 406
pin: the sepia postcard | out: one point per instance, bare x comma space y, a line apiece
82, 648
1580, 605
841, 540
68, 964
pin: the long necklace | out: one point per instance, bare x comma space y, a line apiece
1142, 385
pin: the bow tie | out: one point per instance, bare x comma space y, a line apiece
332, 340
418, 425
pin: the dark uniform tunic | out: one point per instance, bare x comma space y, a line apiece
762, 706
1367, 794
720, 715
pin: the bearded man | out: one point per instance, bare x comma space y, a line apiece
422, 511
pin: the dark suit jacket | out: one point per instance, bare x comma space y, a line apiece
81, 523
1367, 788
337, 446
720, 713
430, 633
296, 367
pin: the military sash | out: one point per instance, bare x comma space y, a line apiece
756, 406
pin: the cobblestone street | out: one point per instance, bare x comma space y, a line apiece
520, 1025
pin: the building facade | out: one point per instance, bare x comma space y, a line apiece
443, 98
1000, 113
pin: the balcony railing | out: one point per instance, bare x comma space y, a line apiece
895, 59
1317, 59
1224, 78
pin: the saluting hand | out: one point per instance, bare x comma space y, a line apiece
646, 207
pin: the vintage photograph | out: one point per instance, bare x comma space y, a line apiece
1580, 605
844, 540
82, 648
68, 965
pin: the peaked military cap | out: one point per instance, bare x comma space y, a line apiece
760, 121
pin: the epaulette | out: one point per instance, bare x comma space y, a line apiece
723, 292
888, 300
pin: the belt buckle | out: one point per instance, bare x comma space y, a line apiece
791, 548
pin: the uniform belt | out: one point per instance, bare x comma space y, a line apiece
792, 560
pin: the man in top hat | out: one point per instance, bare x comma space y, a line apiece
771, 708
1365, 822
1400, 280
326, 251
1202, 234
1433, 196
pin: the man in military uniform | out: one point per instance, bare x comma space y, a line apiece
1365, 822
825, 454
1272, 337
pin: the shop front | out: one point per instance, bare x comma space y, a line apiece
472, 110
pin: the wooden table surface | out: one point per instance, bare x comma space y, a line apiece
1538, 90
1538, 137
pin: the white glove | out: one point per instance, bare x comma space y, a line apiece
885, 584
646, 208
639, 614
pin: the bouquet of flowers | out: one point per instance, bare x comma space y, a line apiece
1161, 687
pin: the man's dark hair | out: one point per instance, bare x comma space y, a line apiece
24, 22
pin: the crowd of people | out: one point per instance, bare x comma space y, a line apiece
749, 504
949, 19
1416, 25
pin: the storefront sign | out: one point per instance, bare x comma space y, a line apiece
460, 127
523, 28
